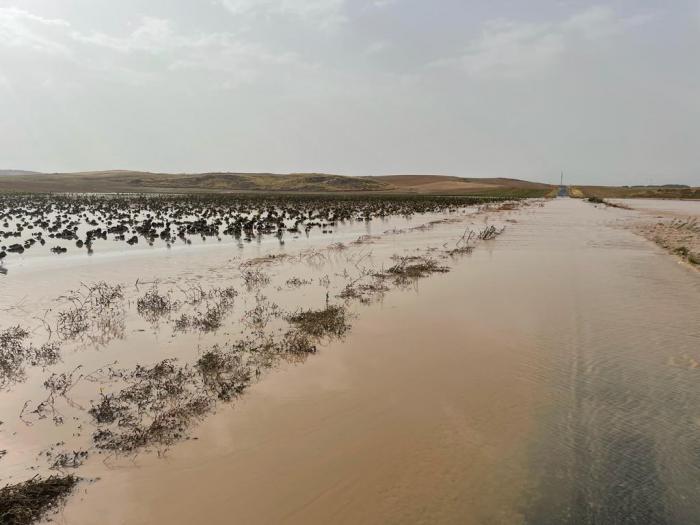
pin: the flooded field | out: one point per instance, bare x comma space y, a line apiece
660, 207
673, 225
505, 363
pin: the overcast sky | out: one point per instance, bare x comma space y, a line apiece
608, 92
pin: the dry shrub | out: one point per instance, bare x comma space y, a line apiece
296, 282
490, 232
463, 245
29, 501
362, 290
298, 344
262, 313
67, 460
410, 268
219, 301
154, 409
224, 373
94, 311
16, 353
153, 305
329, 321
254, 278
194, 294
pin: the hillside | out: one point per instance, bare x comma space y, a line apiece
135, 181
671, 191
434, 184
14, 173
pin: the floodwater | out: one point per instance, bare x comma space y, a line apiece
550, 377
683, 208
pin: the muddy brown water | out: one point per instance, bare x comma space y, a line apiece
550, 377
682, 208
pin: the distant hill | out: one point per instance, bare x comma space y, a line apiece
432, 184
137, 181
12, 173
667, 191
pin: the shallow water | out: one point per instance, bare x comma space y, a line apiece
687, 208
33, 289
550, 377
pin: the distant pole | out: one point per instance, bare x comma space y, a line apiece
562, 178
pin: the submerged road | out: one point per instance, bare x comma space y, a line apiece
552, 377
617, 435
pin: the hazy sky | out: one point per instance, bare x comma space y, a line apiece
608, 92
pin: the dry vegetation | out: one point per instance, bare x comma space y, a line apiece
153, 305
329, 321
598, 200
155, 406
94, 312
26, 502
16, 353
410, 268
679, 236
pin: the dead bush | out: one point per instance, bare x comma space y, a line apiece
29, 501
329, 321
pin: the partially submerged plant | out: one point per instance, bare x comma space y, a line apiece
16, 353
296, 282
597, 200
298, 344
490, 232
94, 311
86, 220
224, 373
154, 409
29, 501
254, 278
153, 305
218, 303
410, 268
463, 245
365, 287
67, 460
262, 313
329, 321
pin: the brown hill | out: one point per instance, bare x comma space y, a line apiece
447, 184
141, 182
135, 181
669, 191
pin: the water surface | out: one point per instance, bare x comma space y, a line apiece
550, 378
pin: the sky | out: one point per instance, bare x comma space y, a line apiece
607, 92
